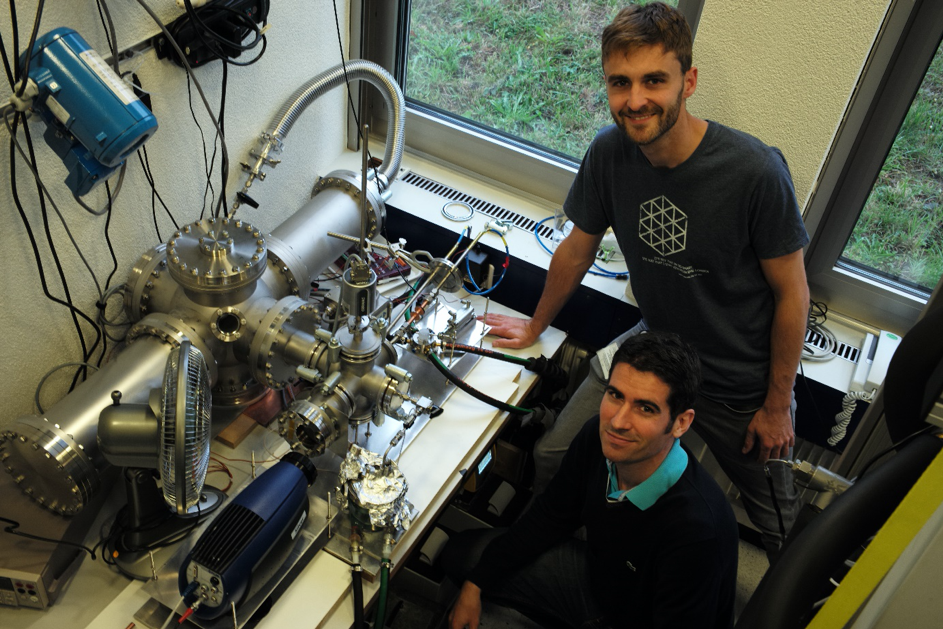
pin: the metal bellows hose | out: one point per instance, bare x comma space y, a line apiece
360, 70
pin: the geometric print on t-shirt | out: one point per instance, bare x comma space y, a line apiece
662, 226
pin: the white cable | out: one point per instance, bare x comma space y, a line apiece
172, 612
820, 354
842, 420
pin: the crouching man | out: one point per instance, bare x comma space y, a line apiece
661, 539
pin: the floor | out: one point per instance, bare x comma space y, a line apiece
408, 611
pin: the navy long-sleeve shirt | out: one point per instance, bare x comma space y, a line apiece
673, 565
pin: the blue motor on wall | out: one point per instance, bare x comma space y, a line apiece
249, 540
94, 119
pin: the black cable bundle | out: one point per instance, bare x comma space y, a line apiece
216, 31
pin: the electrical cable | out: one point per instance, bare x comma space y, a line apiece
41, 187
87, 352
892, 447
29, 49
23, 76
224, 166
31, 163
818, 315
155, 196
504, 268
105, 209
111, 247
42, 381
110, 36
14, 22
208, 164
203, 31
478, 395
3, 53
39, 265
805, 381
199, 88
618, 275
350, 100
173, 612
842, 419
15, 525
103, 319
779, 513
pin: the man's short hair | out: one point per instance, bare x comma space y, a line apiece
672, 360
647, 25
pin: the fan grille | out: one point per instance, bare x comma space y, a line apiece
192, 428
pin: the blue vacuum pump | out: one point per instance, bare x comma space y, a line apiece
249, 540
94, 120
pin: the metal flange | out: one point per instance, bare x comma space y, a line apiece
171, 331
285, 262
216, 255
142, 278
349, 182
266, 358
48, 465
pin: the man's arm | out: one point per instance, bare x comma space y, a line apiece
568, 265
467, 610
771, 427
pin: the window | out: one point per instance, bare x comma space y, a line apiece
898, 237
500, 78
506, 131
877, 216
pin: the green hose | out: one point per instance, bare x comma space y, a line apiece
380, 620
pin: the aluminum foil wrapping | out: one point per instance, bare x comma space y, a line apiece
378, 488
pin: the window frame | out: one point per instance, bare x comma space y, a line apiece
377, 32
892, 75
903, 48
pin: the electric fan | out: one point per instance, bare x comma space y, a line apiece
169, 437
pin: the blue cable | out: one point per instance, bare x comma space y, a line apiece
601, 271
507, 262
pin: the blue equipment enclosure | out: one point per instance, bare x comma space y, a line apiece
249, 540
94, 119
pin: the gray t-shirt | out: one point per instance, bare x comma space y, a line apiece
693, 237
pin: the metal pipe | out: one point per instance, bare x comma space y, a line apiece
364, 162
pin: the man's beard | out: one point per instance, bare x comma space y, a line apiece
666, 119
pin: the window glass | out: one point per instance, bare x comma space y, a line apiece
527, 69
899, 235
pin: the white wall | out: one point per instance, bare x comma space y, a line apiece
783, 70
302, 42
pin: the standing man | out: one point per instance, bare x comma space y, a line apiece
661, 539
707, 219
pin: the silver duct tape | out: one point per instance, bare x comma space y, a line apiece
378, 488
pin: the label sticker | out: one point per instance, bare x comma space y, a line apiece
301, 521
108, 76
60, 112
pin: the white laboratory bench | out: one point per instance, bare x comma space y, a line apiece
320, 595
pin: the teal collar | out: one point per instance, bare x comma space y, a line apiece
647, 493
